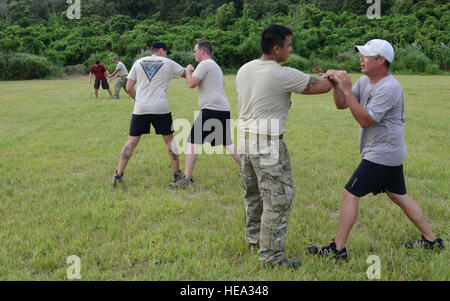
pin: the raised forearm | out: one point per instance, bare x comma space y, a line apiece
188, 77
339, 97
359, 112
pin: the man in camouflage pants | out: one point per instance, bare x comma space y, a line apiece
264, 91
122, 72
275, 190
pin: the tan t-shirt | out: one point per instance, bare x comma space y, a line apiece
264, 94
211, 93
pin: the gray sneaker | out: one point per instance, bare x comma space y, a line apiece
182, 183
178, 176
116, 178
285, 262
426, 244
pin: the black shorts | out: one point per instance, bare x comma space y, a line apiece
213, 127
372, 177
140, 124
103, 82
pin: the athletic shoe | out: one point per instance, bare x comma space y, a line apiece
290, 263
426, 244
182, 183
116, 178
329, 250
253, 246
178, 176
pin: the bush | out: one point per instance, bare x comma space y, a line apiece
183, 58
22, 66
297, 62
441, 56
53, 56
142, 54
432, 69
75, 70
349, 61
411, 58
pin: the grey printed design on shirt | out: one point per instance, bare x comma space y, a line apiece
151, 68
369, 99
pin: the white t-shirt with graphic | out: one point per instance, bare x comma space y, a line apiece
152, 75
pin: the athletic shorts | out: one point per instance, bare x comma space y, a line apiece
211, 126
103, 82
140, 124
372, 177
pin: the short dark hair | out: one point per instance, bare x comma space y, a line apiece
272, 35
158, 45
97, 62
205, 45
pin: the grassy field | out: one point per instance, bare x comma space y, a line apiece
60, 147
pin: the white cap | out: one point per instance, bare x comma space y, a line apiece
377, 47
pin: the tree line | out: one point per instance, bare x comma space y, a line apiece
325, 32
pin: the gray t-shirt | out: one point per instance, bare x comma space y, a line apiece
122, 69
384, 141
211, 92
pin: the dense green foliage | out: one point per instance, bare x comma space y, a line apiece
25, 66
325, 31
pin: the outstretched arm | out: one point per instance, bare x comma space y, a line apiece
317, 85
114, 74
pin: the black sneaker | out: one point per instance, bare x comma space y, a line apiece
116, 178
329, 250
178, 176
426, 244
253, 246
290, 263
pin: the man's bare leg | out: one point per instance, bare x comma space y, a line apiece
414, 213
191, 158
347, 218
126, 153
96, 93
173, 152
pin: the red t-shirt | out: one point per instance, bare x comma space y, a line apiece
99, 72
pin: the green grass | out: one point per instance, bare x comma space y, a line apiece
60, 147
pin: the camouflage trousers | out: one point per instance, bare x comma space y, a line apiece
121, 83
268, 197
